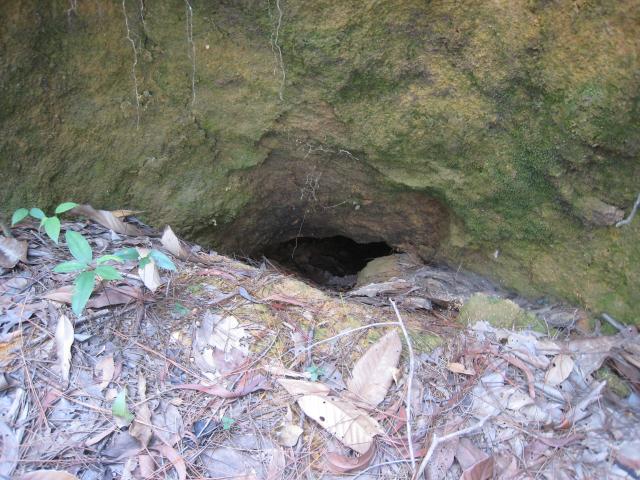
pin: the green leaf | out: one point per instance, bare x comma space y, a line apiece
52, 227
107, 272
67, 267
19, 215
78, 246
128, 254
119, 407
180, 310
109, 258
162, 260
65, 207
227, 422
144, 261
84, 286
37, 213
315, 372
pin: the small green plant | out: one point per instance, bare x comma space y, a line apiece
227, 422
315, 372
87, 268
119, 407
51, 224
159, 258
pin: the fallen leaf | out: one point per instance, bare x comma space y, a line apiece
352, 426
48, 475
226, 333
64, 340
339, 464
288, 434
9, 450
277, 465
168, 424
175, 458
561, 367
302, 387
172, 243
255, 383
460, 368
149, 273
105, 369
476, 465
147, 466
375, 370
119, 409
125, 213
106, 219
119, 295
60, 295
12, 251
141, 427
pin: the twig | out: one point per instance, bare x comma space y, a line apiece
450, 436
412, 455
192, 53
134, 64
353, 330
614, 323
279, 60
378, 465
627, 220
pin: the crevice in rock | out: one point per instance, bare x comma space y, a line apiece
332, 262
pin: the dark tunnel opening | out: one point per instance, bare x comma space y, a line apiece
332, 262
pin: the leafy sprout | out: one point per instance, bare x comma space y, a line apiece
51, 224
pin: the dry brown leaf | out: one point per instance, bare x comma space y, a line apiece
476, 464
288, 434
122, 294
48, 475
340, 464
561, 367
352, 426
141, 427
302, 387
105, 369
277, 465
107, 219
285, 372
12, 251
456, 367
60, 295
149, 274
172, 243
175, 458
126, 213
64, 340
374, 372
147, 466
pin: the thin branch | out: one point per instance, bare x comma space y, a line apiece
276, 45
192, 52
627, 220
134, 65
353, 330
450, 436
412, 455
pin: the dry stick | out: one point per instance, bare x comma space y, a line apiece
134, 64
412, 455
353, 330
627, 220
438, 440
275, 43
192, 52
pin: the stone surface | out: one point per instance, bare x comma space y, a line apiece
499, 312
450, 130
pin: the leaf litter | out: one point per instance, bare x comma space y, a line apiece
132, 390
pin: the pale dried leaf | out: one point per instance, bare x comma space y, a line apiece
125, 213
227, 334
64, 340
141, 428
302, 387
149, 274
122, 294
60, 295
12, 251
352, 426
175, 458
147, 466
105, 369
374, 372
172, 243
9, 450
277, 465
48, 475
561, 367
288, 434
476, 464
107, 219
456, 367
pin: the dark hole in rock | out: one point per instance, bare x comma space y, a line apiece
332, 262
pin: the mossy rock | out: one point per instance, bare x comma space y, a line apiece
499, 312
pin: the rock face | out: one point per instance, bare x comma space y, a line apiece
451, 130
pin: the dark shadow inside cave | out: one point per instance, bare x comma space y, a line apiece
332, 262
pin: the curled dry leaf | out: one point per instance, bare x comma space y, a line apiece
456, 367
12, 251
107, 219
561, 367
48, 475
340, 464
302, 387
374, 372
64, 340
476, 464
149, 273
352, 426
173, 244
105, 369
288, 434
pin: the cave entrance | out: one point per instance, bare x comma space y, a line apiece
332, 262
